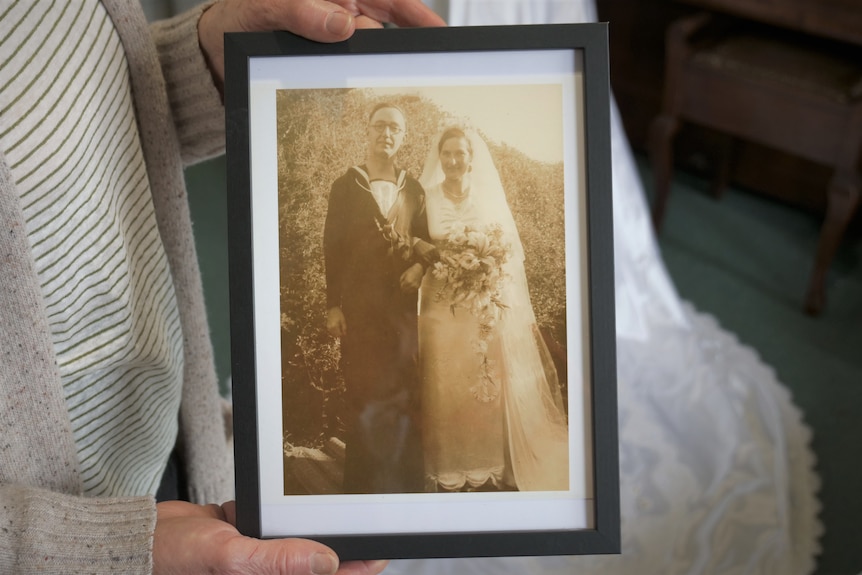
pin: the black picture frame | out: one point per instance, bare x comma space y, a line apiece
587, 203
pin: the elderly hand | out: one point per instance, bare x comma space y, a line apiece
193, 539
319, 20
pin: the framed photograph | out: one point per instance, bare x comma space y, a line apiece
421, 291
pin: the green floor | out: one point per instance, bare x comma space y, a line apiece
743, 259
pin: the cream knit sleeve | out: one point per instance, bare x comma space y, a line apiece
195, 101
49, 532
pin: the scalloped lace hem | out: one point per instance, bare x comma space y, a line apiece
466, 480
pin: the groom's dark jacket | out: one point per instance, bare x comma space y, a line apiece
379, 353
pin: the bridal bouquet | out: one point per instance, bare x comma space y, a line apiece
471, 268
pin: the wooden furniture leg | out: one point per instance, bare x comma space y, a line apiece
662, 132
664, 128
842, 203
844, 195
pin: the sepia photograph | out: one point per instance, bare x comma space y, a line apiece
423, 293
422, 332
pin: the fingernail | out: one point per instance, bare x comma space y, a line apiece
323, 564
337, 23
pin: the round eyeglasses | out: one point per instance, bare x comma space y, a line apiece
381, 127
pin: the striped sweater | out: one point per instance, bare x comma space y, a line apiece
73, 149
50, 522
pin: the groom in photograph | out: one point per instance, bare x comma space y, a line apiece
374, 223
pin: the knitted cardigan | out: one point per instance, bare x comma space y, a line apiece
46, 525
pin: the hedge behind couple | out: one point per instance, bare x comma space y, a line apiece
462, 396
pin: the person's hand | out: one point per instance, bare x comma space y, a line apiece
336, 325
427, 251
319, 20
411, 279
191, 539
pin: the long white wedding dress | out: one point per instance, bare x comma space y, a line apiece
716, 472
492, 408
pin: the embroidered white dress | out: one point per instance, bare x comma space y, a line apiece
492, 410
463, 436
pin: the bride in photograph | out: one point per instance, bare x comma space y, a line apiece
493, 415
